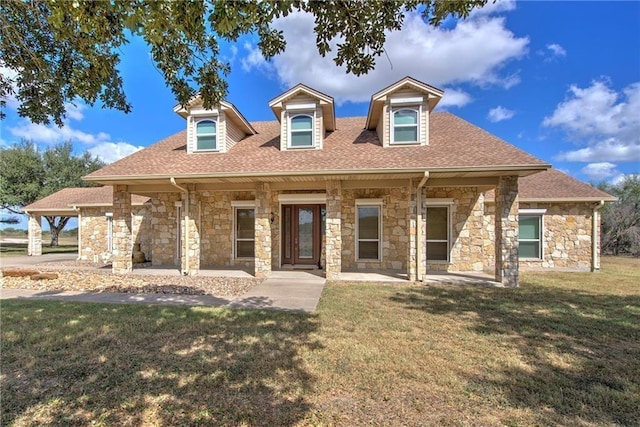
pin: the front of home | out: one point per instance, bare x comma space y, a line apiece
402, 189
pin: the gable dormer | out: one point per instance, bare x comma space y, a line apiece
305, 116
400, 113
213, 130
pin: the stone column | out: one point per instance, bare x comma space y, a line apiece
190, 243
333, 232
122, 244
506, 231
263, 230
35, 235
412, 214
422, 235
193, 242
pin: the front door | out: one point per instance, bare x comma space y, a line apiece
301, 242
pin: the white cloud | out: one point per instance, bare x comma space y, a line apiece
474, 52
51, 134
493, 7
599, 171
500, 113
606, 123
11, 100
454, 98
109, 152
556, 50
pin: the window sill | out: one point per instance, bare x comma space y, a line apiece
368, 260
207, 151
400, 144
306, 147
438, 261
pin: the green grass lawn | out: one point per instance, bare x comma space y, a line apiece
563, 349
66, 244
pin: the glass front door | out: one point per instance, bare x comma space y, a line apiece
301, 234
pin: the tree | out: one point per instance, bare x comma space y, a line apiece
621, 220
62, 51
27, 175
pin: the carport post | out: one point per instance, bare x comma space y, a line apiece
34, 233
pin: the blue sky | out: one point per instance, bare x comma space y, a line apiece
560, 80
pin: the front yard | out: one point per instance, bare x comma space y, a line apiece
562, 349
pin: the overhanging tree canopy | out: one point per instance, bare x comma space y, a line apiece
62, 51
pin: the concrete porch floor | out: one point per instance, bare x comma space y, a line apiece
458, 278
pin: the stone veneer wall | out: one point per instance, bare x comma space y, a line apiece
216, 228
395, 230
93, 235
466, 214
164, 229
567, 231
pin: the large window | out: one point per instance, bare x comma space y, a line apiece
530, 236
437, 233
405, 126
368, 230
206, 134
301, 131
244, 232
109, 216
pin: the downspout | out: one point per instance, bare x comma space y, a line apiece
419, 226
186, 225
77, 209
595, 259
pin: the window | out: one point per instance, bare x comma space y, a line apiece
530, 236
206, 134
368, 230
109, 216
405, 126
301, 131
437, 233
244, 244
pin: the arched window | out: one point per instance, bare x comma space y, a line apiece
206, 134
301, 131
405, 126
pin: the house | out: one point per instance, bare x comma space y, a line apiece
402, 189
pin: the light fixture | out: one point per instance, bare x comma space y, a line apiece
273, 217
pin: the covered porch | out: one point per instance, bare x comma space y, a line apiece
405, 198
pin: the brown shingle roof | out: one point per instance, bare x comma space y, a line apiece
555, 185
68, 197
454, 143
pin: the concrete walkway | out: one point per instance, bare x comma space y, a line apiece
288, 291
285, 290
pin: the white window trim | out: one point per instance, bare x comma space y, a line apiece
195, 134
449, 231
109, 216
307, 113
539, 213
315, 198
418, 109
369, 203
241, 204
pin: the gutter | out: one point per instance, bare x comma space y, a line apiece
323, 173
185, 272
421, 185
595, 259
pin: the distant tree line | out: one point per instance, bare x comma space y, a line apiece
621, 219
28, 174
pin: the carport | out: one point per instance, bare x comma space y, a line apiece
66, 202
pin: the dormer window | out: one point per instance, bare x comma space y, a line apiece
301, 131
406, 129
207, 135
